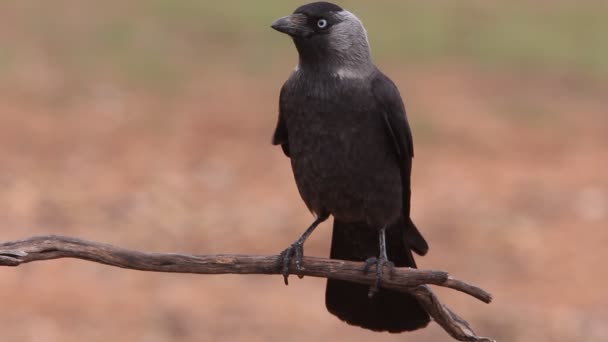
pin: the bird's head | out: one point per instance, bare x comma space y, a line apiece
327, 37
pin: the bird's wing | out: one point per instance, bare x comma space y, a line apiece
280, 136
388, 101
390, 105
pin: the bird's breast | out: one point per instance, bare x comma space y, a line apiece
340, 153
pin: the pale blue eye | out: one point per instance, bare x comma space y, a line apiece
322, 23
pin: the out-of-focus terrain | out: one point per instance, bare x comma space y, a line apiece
147, 124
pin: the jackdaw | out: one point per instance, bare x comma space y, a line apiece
343, 125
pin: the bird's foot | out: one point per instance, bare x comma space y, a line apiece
380, 263
295, 252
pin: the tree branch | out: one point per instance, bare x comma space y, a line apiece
414, 281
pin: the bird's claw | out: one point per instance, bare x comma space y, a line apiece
295, 252
380, 263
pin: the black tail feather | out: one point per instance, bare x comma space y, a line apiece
414, 239
388, 310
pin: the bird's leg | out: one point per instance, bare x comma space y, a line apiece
380, 262
296, 250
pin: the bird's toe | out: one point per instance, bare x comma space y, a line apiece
380, 263
294, 252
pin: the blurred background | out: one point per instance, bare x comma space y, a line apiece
147, 124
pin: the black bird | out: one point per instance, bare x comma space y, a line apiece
343, 125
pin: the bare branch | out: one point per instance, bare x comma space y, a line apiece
413, 281
457, 327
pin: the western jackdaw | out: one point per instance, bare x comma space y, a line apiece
343, 125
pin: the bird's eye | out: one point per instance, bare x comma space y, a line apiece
322, 23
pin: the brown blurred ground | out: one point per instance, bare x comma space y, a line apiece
509, 188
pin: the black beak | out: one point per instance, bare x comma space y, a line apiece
293, 25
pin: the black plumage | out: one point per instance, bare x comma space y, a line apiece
343, 125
